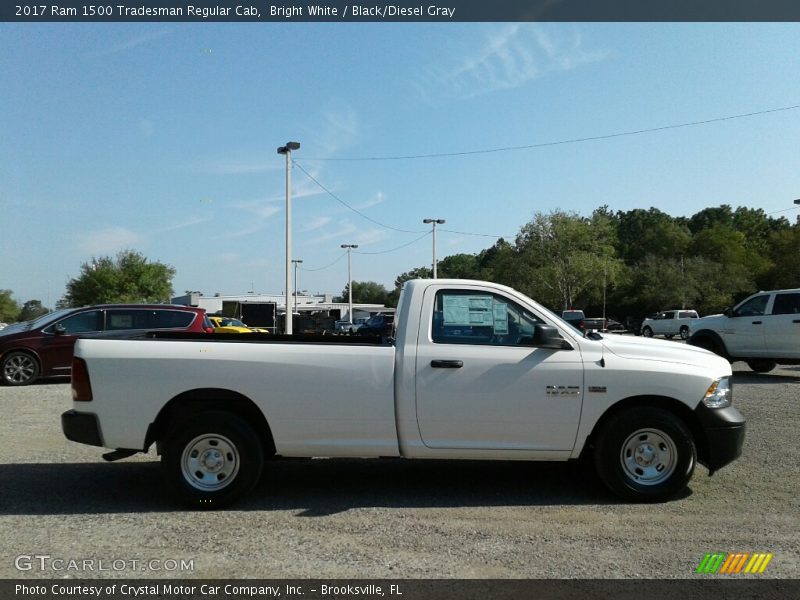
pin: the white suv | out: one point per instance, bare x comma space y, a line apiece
669, 323
762, 330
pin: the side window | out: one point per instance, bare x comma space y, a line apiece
166, 319
82, 322
463, 317
669, 315
753, 307
786, 304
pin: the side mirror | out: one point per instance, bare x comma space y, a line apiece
728, 312
547, 336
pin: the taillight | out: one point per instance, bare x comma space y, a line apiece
81, 386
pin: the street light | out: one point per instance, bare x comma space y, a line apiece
296, 262
287, 151
349, 282
434, 223
797, 201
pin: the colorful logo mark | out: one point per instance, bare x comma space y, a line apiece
733, 563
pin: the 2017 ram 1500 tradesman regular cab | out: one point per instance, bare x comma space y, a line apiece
476, 371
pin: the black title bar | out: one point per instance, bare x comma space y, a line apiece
400, 11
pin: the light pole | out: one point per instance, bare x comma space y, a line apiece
287, 152
296, 261
349, 282
434, 222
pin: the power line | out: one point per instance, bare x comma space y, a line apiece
489, 235
562, 142
424, 235
345, 204
326, 266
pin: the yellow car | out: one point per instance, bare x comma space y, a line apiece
230, 325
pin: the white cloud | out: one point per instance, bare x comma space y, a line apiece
107, 241
243, 167
317, 223
510, 57
184, 224
135, 42
374, 201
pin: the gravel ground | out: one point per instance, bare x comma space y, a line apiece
393, 518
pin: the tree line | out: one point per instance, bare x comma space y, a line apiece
640, 261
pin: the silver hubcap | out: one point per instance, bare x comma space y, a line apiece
210, 462
648, 456
19, 369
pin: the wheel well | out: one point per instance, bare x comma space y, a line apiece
714, 337
677, 408
27, 351
194, 401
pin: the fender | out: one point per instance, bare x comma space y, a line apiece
710, 340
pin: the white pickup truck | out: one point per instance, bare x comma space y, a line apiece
475, 371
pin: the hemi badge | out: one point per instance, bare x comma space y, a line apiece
597, 389
563, 390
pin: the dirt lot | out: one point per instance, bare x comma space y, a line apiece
390, 518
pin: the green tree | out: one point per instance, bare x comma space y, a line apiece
31, 310
130, 278
650, 232
566, 259
9, 309
419, 273
784, 251
365, 292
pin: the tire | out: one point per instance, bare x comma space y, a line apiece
212, 460
684, 332
761, 365
647, 332
645, 454
20, 368
669, 336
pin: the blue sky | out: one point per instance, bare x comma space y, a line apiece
162, 137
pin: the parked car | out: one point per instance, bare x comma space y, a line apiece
576, 318
601, 324
377, 325
345, 326
230, 325
763, 330
669, 323
43, 347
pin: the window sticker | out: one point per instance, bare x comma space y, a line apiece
500, 317
468, 310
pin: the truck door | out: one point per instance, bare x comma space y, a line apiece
782, 327
744, 330
480, 385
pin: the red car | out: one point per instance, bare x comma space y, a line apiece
43, 347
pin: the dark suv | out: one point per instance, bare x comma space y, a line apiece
377, 325
43, 347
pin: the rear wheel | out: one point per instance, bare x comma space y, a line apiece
645, 454
647, 332
212, 459
761, 366
20, 368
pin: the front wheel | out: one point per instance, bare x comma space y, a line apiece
684, 333
212, 459
761, 366
20, 368
647, 332
645, 454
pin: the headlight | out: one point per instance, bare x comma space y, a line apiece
719, 394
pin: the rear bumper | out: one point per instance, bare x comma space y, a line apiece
81, 427
724, 429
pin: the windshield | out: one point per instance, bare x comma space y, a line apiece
39, 322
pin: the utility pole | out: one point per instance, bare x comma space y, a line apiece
295, 261
349, 282
287, 152
434, 222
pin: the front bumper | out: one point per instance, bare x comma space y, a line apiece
724, 430
81, 427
